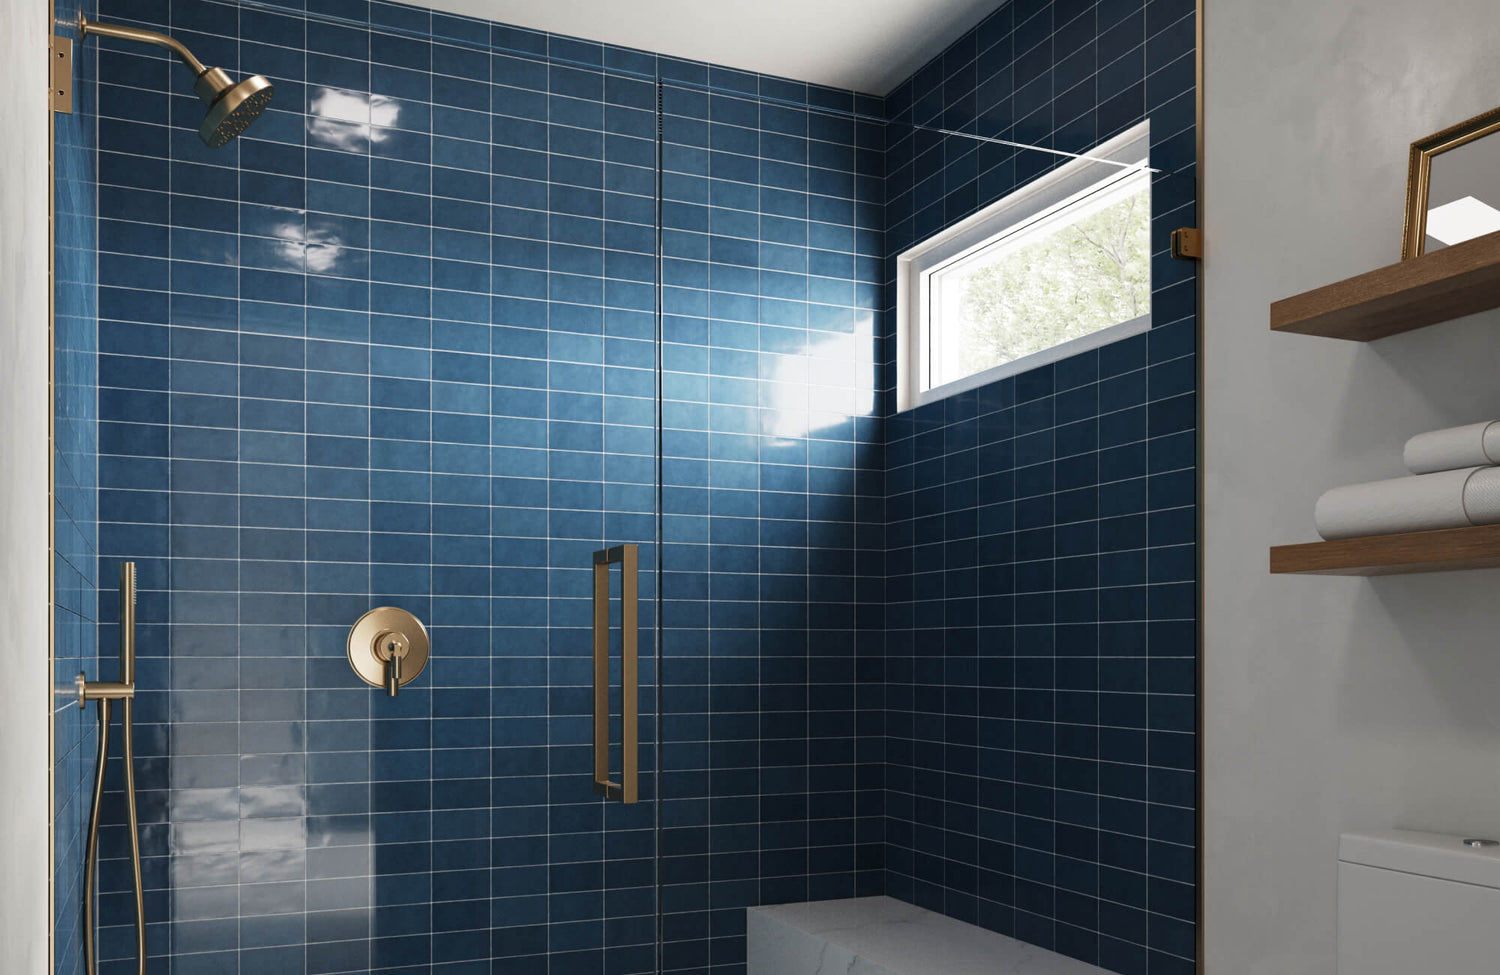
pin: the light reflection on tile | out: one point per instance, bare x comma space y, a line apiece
267, 866
204, 870
189, 805
199, 838
273, 834
272, 801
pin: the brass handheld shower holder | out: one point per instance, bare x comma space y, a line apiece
102, 690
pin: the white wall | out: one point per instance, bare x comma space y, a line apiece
1331, 703
24, 681
867, 45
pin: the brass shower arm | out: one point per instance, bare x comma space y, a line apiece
120, 32
208, 83
231, 107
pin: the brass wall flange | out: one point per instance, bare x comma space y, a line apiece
62, 74
388, 647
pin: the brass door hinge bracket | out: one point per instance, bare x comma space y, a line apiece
1187, 244
62, 74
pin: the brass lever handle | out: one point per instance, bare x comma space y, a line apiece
396, 651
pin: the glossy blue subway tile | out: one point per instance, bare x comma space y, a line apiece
1092, 89
588, 464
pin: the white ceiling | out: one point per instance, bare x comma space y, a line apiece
867, 45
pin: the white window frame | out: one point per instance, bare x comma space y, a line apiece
1123, 158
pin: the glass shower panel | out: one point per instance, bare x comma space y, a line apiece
771, 506
394, 346
574, 241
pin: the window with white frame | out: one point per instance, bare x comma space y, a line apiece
1060, 266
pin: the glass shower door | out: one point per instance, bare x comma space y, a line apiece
574, 242
621, 572
772, 506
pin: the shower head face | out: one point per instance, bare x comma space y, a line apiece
232, 108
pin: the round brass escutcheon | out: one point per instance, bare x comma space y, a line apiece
381, 632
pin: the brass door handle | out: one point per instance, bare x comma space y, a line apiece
628, 558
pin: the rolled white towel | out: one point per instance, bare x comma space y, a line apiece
1471, 445
1447, 499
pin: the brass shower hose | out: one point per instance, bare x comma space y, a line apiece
105, 692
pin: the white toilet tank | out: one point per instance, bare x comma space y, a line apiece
1415, 903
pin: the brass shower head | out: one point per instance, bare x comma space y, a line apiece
231, 107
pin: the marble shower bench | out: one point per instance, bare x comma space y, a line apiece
883, 936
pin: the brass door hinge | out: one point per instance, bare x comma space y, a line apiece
62, 74
1187, 244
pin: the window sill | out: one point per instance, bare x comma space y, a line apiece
1026, 363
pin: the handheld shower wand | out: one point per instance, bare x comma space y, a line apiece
231, 107
105, 692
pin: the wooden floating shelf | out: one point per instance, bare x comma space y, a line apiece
1448, 550
1450, 283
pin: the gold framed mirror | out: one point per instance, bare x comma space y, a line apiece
1453, 186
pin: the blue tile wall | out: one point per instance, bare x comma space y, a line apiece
772, 497
75, 514
397, 345
1041, 647
358, 358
